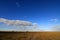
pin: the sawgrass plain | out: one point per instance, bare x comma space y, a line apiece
12, 35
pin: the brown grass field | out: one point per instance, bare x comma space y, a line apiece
29, 35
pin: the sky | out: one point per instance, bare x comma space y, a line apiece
45, 13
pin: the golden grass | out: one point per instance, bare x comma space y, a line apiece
29, 35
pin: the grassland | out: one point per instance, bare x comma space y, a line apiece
29, 35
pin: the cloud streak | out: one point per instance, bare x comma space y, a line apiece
17, 3
15, 22
54, 20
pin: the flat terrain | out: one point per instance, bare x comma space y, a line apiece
29, 35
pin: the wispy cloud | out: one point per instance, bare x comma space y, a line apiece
54, 25
18, 5
54, 20
56, 28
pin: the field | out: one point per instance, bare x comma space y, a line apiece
29, 35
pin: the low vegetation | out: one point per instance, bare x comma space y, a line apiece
29, 35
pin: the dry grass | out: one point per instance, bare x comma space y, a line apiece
29, 35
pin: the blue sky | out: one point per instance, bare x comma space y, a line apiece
45, 13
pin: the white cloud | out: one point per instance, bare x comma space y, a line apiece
15, 22
23, 25
35, 25
54, 20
